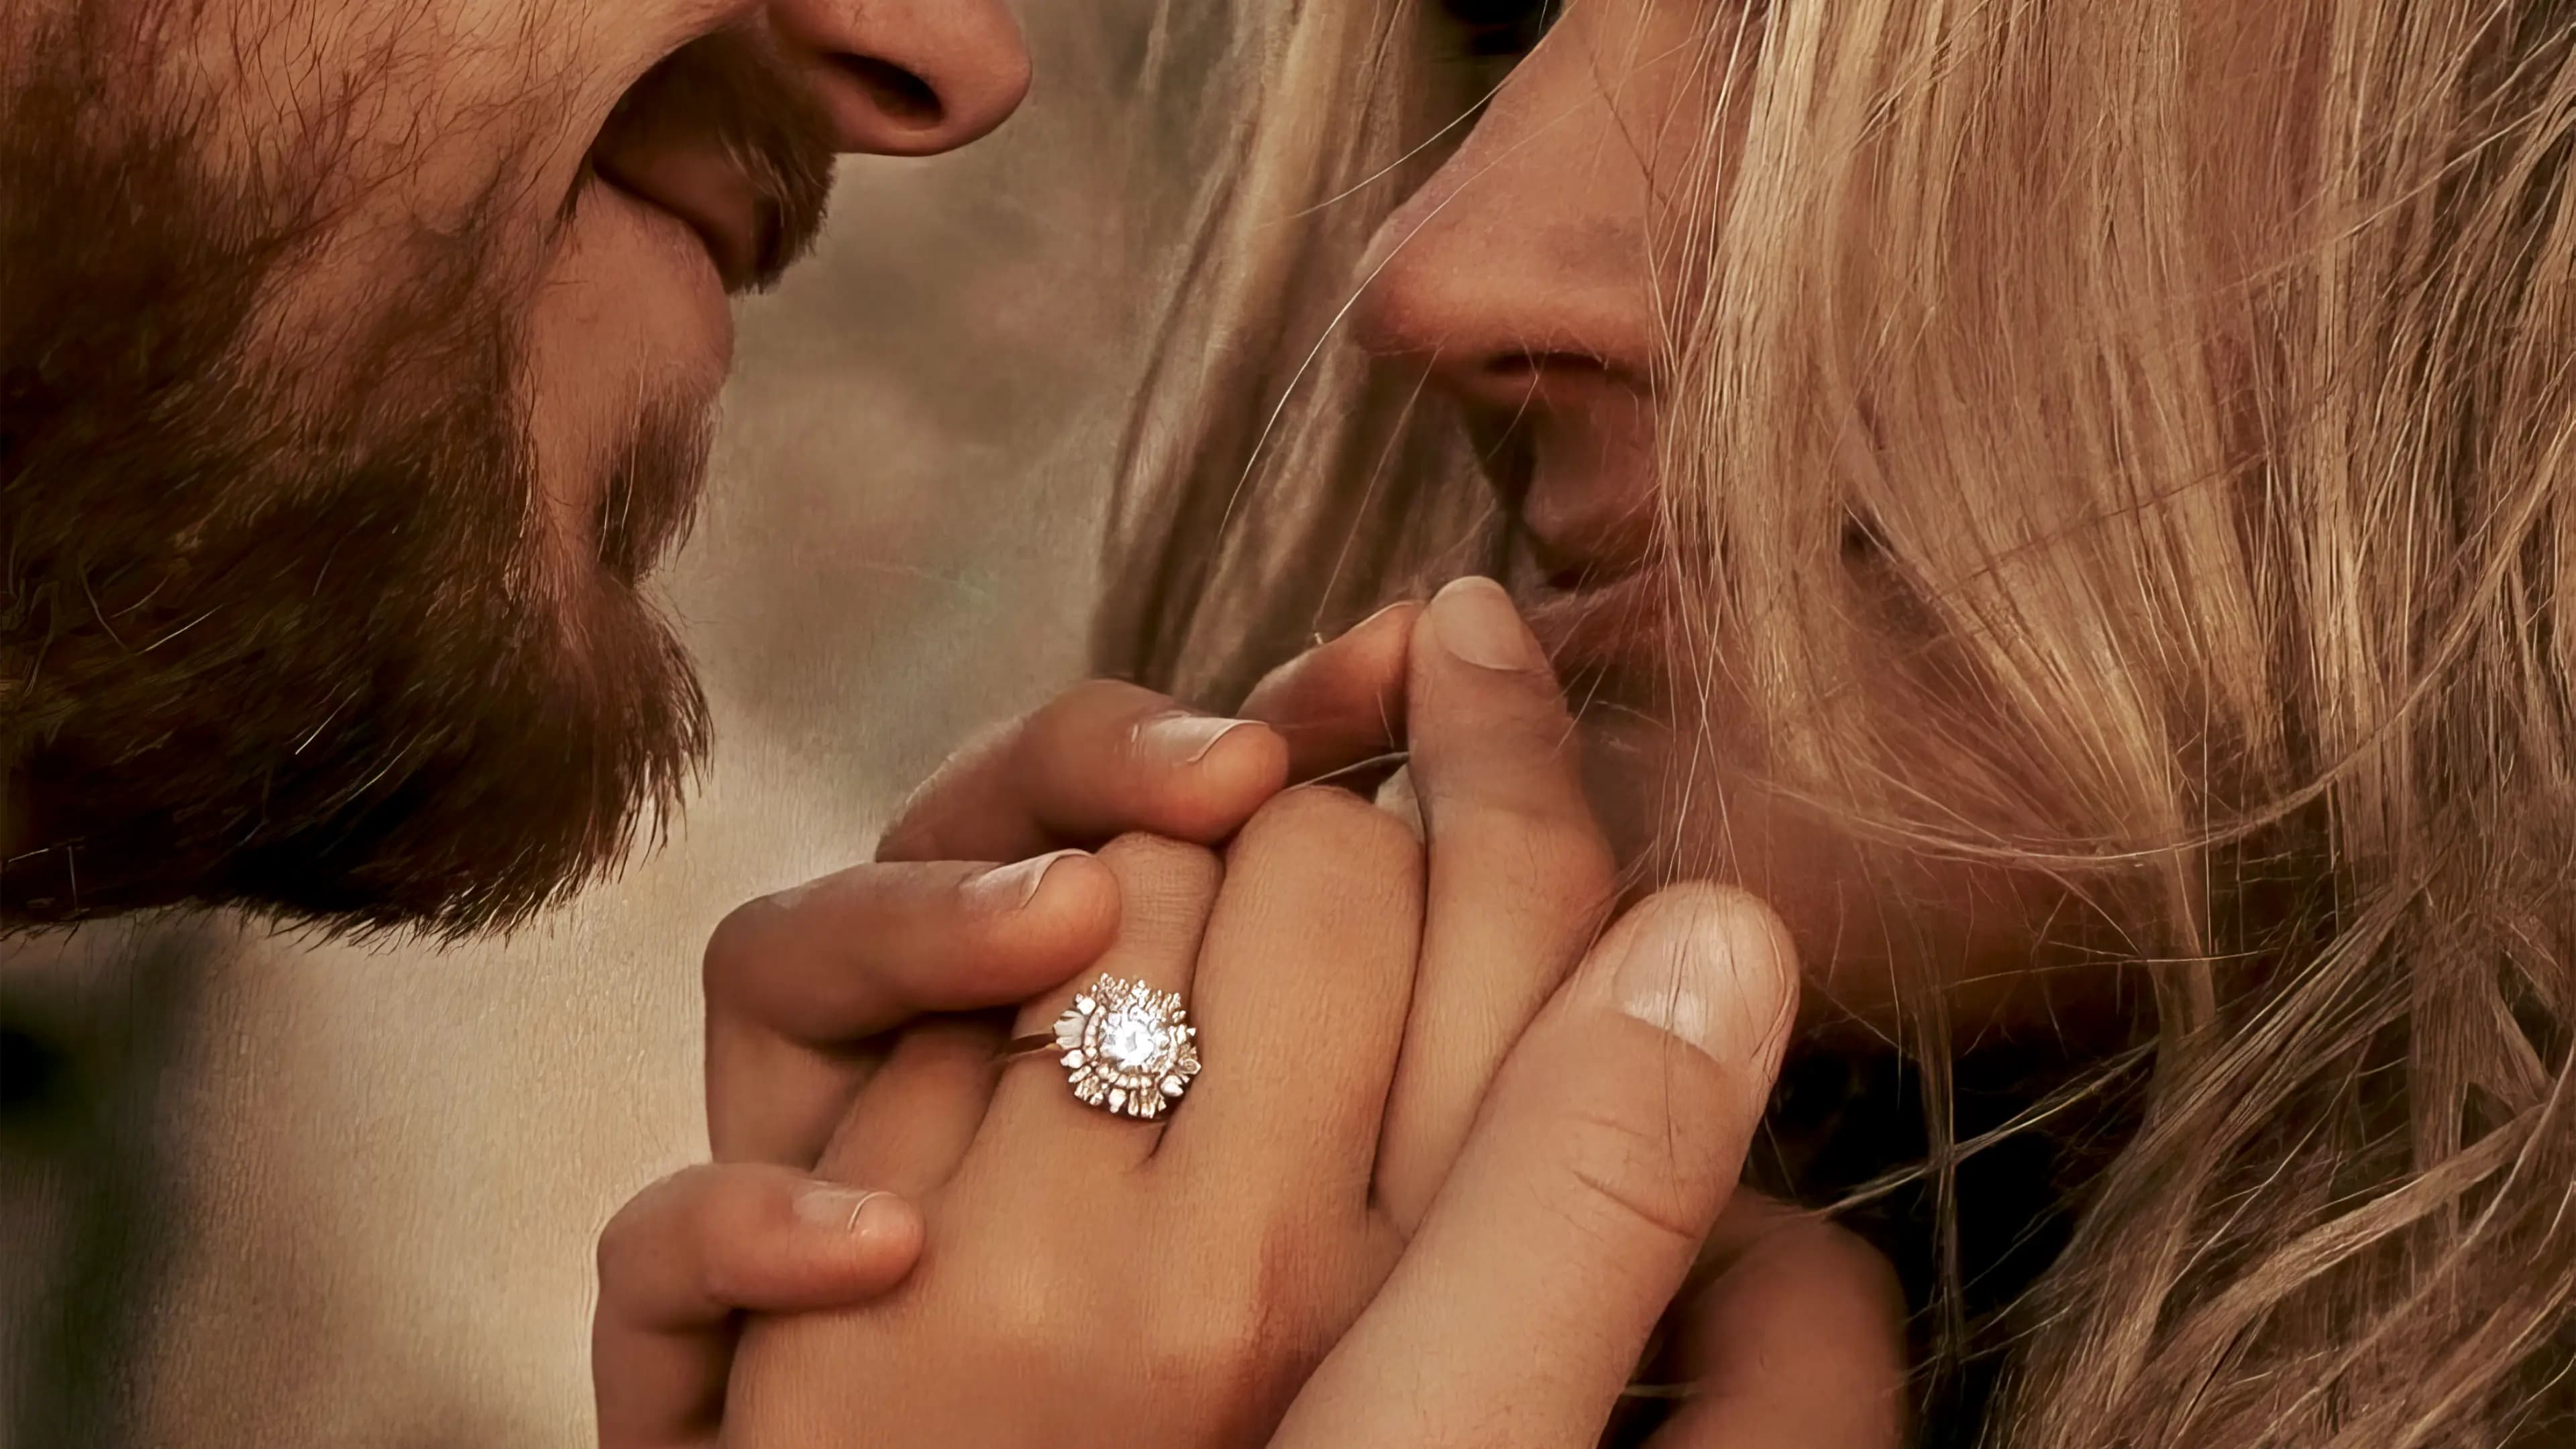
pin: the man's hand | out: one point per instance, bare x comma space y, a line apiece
687, 1255
805, 989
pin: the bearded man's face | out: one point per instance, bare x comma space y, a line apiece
356, 366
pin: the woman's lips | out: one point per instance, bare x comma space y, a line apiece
1603, 639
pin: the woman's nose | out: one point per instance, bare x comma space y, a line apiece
1522, 261
907, 77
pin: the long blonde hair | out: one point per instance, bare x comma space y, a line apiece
2270, 570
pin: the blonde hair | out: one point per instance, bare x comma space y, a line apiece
2263, 561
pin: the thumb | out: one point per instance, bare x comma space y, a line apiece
1341, 702
1613, 1136
686, 1255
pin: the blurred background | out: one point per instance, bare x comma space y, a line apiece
259, 1190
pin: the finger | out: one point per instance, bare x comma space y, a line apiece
1613, 1136
1300, 1000
1342, 702
1520, 874
1800, 1340
1102, 758
691, 1251
1167, 887
1108, 757
796, 980
911, 1124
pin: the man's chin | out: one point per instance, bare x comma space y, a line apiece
380, 699
472, 821
287, 628
387, 703
463, 848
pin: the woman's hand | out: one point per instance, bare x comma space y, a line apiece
1089, 1279
1092, 1281
804, 989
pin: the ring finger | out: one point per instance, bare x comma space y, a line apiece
1166, 889
798, 981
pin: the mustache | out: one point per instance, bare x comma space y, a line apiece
736, 93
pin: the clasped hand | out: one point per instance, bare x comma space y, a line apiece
1456, 1148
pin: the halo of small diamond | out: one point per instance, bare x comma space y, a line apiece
1128, 1048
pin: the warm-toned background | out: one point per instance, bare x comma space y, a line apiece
259, 1191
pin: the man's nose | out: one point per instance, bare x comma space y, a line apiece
907, 77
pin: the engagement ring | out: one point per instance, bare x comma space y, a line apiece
1125, 1047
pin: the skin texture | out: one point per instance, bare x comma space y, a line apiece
359, 365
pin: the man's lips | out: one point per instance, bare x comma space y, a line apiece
708, 195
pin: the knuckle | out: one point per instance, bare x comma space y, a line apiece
640, 1230
721, 1274
1623, 1175
1215, 1341
734, 943
1570, 856
1094, 705
1158, 867
1535, 856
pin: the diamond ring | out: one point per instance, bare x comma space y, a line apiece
1125, 1047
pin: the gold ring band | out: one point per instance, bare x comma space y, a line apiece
1029, 1046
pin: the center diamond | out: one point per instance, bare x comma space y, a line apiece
1127, 1048
1134, 1039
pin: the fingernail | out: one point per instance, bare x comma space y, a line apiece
1182, 739
1011, 887
858, 1212
1711, 972
1475, 621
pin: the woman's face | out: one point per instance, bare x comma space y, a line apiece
1519, 279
